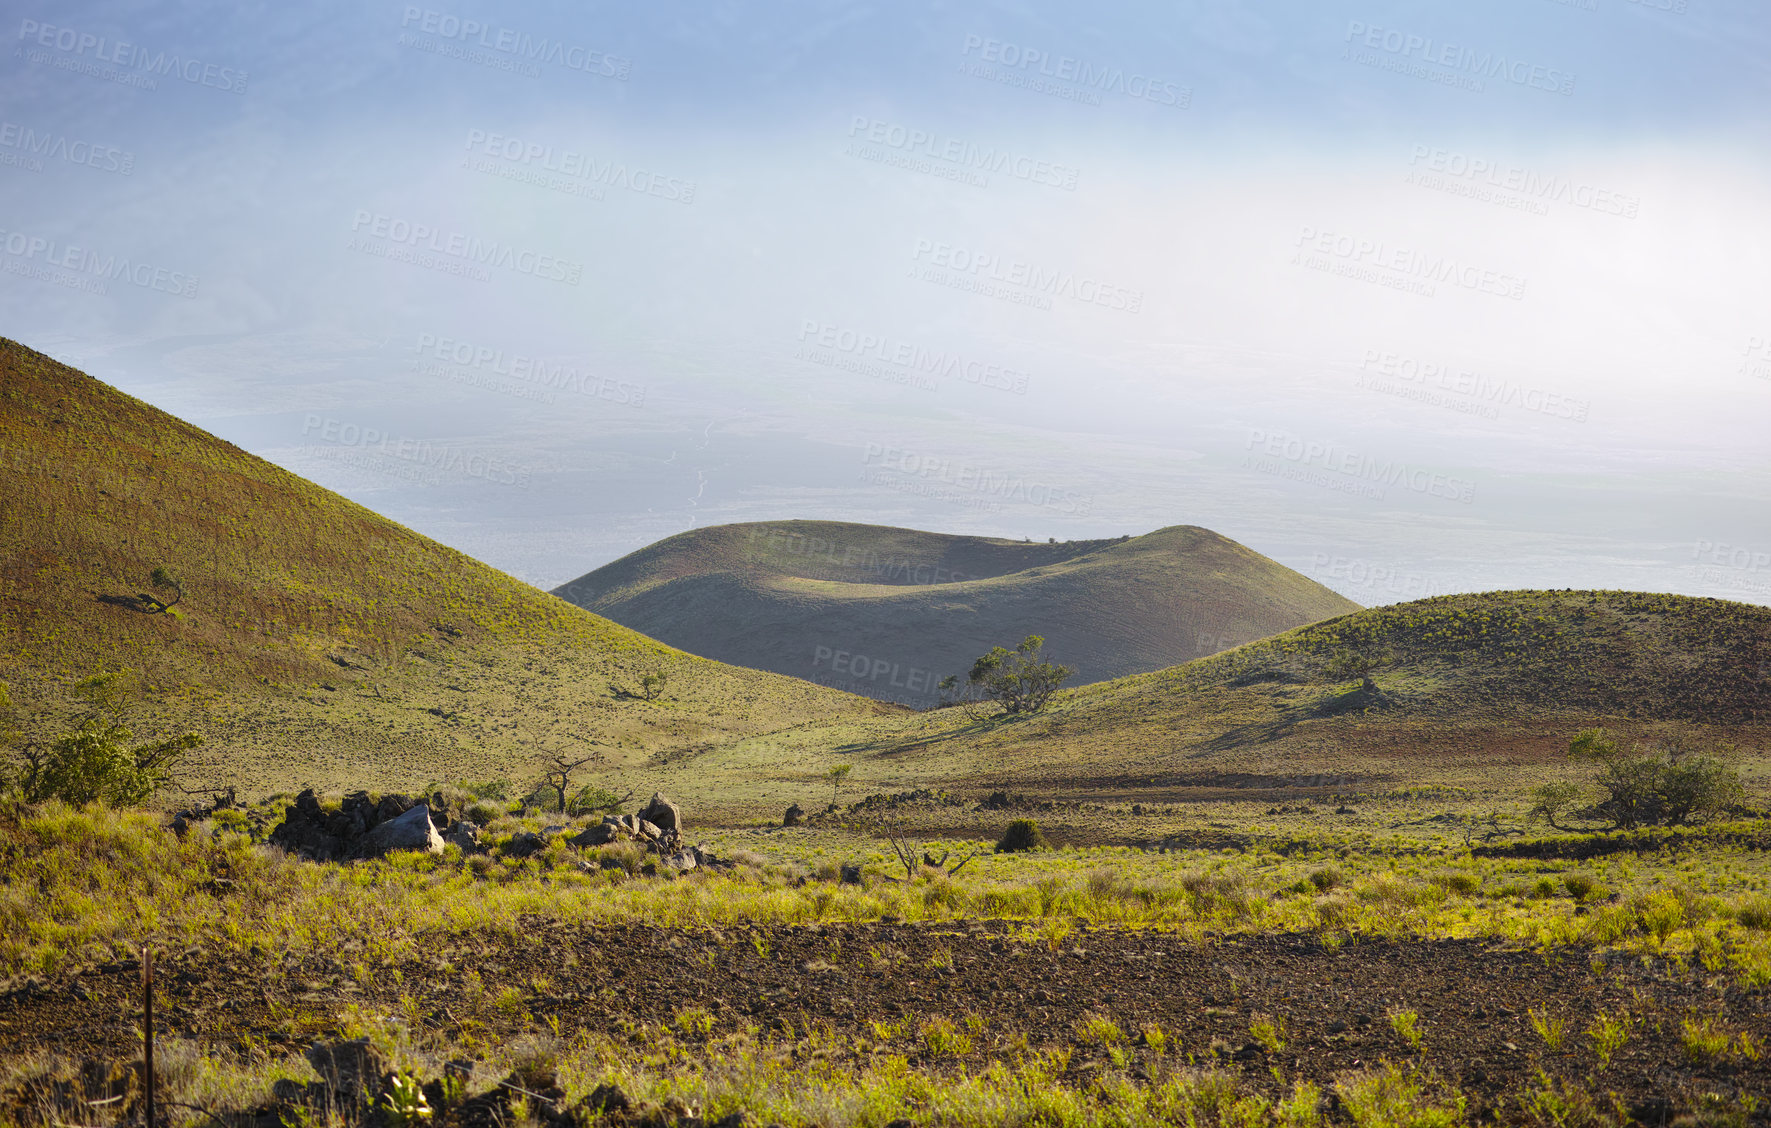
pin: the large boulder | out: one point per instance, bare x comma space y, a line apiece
663, 814
524, 844
602, 834
410, 831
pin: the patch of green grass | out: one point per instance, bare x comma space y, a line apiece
1406, 1023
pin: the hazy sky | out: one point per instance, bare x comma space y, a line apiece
1413, 297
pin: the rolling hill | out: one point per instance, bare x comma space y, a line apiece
315, 642
889, 612
1479, 697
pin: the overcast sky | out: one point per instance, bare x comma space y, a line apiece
1412, 297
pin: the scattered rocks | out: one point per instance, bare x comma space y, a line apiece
355, 830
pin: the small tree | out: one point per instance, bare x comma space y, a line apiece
556, 775
1018, 679
1647, 786
652, 685
1345, 665
163, 580
1552, 799
97, 760
836, 775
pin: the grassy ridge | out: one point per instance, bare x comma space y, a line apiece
318, 641
910, 607
1484, 693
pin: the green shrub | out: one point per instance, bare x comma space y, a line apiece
1755, 912
1326, 878
1580, 886
1022, 834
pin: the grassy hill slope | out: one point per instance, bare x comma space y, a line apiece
1484, 692
317, 641
889, 612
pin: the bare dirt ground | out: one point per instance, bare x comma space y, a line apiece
1474, 1001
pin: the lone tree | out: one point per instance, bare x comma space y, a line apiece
1345, 665
1019, 679
836, 775
96, 761
163, 580
1644, 785
556, 774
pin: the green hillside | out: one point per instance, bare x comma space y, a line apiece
889, 612
316, 641
1482, 693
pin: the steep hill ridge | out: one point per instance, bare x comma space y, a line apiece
889, 612
317, 641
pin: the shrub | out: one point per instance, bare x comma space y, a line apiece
97, 762
1022, 834
1580, 886
1755, 913
1326, 878
1648, 787
1407, 1024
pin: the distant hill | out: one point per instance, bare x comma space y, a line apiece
889, 612
316, 642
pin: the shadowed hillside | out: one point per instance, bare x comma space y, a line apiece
889, 612
314, 641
